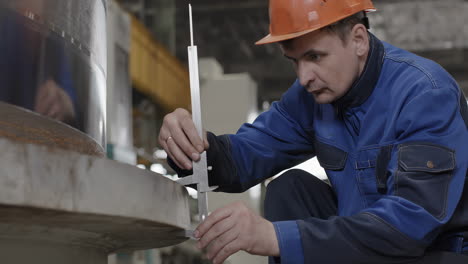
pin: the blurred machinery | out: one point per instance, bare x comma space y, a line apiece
119, 88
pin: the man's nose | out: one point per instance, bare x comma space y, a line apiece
305, 74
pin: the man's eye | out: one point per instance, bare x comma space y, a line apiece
313, 57
294, 63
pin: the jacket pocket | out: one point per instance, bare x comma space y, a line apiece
365, 175
330, 157
423, 175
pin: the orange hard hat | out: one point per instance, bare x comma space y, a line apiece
293, 18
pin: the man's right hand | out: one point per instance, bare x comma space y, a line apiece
179, 138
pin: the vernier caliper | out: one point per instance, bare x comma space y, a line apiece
200, 168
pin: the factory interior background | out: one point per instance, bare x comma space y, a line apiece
147, 78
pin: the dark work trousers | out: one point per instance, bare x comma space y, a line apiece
297, 194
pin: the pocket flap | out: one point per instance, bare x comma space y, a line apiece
425, 157
330, 157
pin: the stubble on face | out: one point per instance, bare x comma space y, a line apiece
331, 75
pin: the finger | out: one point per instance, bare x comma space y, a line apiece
163, 137
67, 104
205, 140
52, 98
173, 159
221, 241
56, 106
39, 97
191, 131
46, 104
45, 96
184, 144
44, 90
163, 142
174, 128
218, 229
54, 111
178, 155
212, 219
189, 128
227, 251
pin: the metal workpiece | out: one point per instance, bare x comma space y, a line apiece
58, 206
21, 125
54, 60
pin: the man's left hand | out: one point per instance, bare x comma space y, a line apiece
233, 228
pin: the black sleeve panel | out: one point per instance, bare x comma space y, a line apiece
223, 171
362, 238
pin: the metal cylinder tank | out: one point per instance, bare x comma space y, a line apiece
53, 61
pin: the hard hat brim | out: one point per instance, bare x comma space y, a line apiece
272, 39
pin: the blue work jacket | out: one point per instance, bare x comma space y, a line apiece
395, 149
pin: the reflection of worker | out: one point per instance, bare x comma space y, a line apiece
35, 71
389, 127
52, 101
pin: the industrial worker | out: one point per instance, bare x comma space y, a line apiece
388, 127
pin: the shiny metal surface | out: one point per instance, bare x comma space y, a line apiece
24, 126
54, 60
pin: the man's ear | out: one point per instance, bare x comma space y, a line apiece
360, 38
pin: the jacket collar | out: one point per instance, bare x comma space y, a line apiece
362, 88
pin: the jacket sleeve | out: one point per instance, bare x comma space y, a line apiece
277, 140
426, 174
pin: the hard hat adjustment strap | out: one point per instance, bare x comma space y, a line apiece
365, 21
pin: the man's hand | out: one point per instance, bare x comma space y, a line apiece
52, 101
179, 138
233, 228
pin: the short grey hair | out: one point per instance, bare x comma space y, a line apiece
344, 26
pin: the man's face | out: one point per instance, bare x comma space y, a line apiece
325, 65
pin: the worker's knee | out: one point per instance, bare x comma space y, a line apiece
284, 182
289, 187
292, 195
290, 181
297, 194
